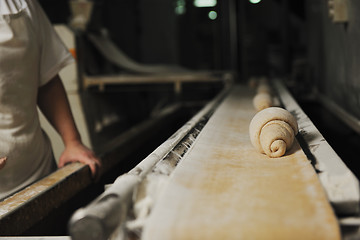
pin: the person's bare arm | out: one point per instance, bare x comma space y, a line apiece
53, 102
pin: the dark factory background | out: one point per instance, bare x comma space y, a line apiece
238, 35
295, 40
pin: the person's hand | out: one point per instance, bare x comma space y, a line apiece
77, 152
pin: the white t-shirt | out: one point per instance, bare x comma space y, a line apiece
31, 54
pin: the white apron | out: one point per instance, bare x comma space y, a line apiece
25, 64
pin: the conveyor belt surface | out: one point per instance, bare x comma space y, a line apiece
224, 189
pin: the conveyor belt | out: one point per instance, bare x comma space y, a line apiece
224, 189
133, 72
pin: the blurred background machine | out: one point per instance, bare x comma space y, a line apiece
144, 69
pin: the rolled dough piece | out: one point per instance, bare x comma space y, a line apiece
262, 100
263, 86
272, 131
2, 162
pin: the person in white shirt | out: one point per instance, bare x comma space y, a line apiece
31, 55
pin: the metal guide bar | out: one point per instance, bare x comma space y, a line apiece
345, 116
340, 184
147, 192
162, 78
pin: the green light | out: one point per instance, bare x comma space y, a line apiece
180, 10
205, 3
180, 7
212, 15
254, 1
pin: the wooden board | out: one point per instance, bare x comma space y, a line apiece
224, 189
26, 208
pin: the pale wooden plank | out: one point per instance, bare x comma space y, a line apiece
224, 189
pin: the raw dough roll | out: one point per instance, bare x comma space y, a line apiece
272, 131
263, 98
264, 86
262, 101
2, 162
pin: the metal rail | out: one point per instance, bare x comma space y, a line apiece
177, 79
341, 113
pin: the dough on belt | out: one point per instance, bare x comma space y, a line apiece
262, 100
264, 86
272, 131
264, 95
2, 162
